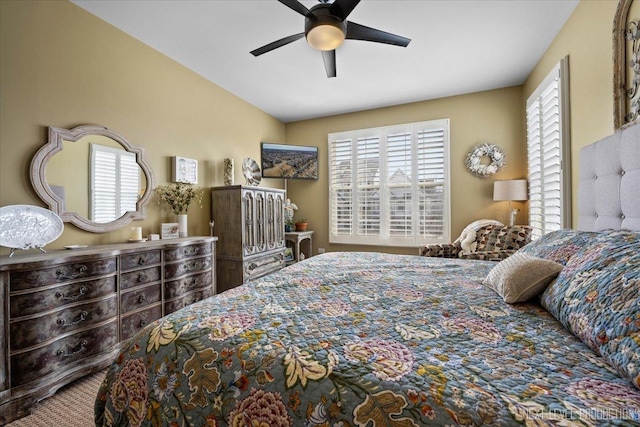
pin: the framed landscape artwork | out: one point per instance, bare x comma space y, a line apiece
289, 161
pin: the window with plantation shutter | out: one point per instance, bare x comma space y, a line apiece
390, 186
548, 153
115, 182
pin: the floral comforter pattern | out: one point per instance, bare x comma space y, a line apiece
363, 339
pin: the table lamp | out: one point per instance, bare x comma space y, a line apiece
515, 189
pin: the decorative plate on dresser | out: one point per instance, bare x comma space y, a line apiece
251, 171
27, 227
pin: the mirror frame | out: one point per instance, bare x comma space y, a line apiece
621, 69
42, 188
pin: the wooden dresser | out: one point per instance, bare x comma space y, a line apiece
249, 222
65, 312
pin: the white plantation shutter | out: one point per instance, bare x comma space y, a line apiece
368, 186
389, 186
432, 154
115, 180
341, 199
129, 182
548, 154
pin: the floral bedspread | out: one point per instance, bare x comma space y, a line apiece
363, 339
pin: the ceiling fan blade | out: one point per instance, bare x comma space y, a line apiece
342, 8
297, 6
276, 44
361, 32
329, 59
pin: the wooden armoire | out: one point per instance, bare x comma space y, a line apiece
249, 224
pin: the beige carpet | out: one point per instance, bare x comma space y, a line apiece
71, 406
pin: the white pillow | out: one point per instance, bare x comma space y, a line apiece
520, 277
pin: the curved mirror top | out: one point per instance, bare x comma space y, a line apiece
92, 177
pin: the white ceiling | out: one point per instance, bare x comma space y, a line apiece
457, 47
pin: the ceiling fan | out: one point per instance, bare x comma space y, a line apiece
326, 27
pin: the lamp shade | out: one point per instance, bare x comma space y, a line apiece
515, 189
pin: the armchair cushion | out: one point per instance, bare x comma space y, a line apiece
488, 255
493, 243
441, 250
496, 238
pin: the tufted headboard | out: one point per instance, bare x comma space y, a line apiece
609, 182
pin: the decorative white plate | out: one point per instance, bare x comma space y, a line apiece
251, 171
25, 226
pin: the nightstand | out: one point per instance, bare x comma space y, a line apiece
298, 236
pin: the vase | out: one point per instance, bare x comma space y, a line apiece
182, 225
228, 171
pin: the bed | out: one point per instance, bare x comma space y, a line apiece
373, 339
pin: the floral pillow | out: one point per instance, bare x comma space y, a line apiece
597, 297
559, 245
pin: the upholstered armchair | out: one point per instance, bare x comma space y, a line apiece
492, 243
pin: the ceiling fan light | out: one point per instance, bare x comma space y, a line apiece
325, 37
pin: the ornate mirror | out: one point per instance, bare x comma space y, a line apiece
92, 177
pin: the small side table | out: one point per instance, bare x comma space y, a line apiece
298, 236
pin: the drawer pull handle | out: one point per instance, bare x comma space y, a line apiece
141, 261
141, 298
193, 283
82, 317
191, 251
253, 266
142, 277
194, 266
62, 275
82, 291
83, 347
143, 321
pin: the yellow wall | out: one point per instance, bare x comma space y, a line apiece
61, 66
587, 39
493, 116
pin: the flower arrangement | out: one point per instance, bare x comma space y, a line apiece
178, 196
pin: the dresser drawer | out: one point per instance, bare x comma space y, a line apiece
139, 259
35, 364
259, 266
178, 287
62, 273
178, 303
34, 331
36, 302
188, 266
132, 323
187, 252
139, 277
138, 298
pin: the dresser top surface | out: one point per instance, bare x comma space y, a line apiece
66, 255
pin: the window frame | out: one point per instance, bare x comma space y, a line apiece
385, 238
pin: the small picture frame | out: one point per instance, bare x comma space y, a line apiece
169, 230
288, 254
184, 170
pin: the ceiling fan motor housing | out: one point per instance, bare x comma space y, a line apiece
334, 29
